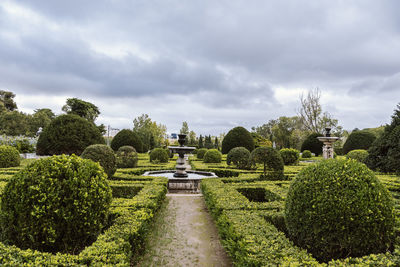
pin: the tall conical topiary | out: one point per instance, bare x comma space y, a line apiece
237, 137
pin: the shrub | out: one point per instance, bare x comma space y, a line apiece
55, 204
126, 157
338, 208
271, 160
9, 157
290, 156
358, 140
239, 156
127, 137
212, 156
313, 144
358, 154
159, 155
102, 154
68, 134
237, 137
24, 146
306, 154
201, 152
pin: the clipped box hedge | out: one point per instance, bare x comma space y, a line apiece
254, 233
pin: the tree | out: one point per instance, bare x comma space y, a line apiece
311, 114
192, 139
208, 142
7, 102
185, 128
237, 137
41, 119
15, 123
81, 108
201, 145
144, 127
216, 143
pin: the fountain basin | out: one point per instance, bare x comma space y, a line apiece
190, 184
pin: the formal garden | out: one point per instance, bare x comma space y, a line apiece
82, 202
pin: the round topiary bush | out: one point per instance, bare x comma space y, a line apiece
338, 208
237, 137
306, 154
239, 156
313, 144
358, 154
102, 154
68, 134
126, 157
127, 137
55, 204
290, 156
159, 155
201, 152
212, 156
358, 140
271, 160
9, 157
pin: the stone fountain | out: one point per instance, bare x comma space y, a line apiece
182, 179
328, 140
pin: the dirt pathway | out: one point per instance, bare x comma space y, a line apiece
184, 235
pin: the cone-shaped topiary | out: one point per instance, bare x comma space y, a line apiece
237, 137
239, 156
9, 157
290, 156
313, 144
159, 155
271, 160
55, 204
212, 156
126, 157
358, 140
127, 137
201, 152
68, 134
102, 154
338, 208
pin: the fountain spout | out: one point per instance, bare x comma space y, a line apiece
181, 150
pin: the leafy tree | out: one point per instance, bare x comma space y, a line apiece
216, 143
192, 138
7, 102
311, 114
81, 108
208, 142
15, 123
144, 127
41, 119
271, 160
185, 128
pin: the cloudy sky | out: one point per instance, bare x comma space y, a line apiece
215, 64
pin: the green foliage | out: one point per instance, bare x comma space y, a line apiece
201, 152
68, 134
313, 144
55, 204
306, 154
127, 137
271, 160
7, 100
102, 154
239, 156
81, 108
358, 154
358, 140
15, 123
127, 157
151, 134
212, 156
9, 157
159, 155
290, 156
384, 153
338, 208
237, 137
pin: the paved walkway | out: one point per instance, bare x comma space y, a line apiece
184, 235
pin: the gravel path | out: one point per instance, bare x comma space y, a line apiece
184, 235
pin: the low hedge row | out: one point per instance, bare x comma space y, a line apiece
131, 218
253, 232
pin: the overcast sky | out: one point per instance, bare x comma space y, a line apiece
215, 64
